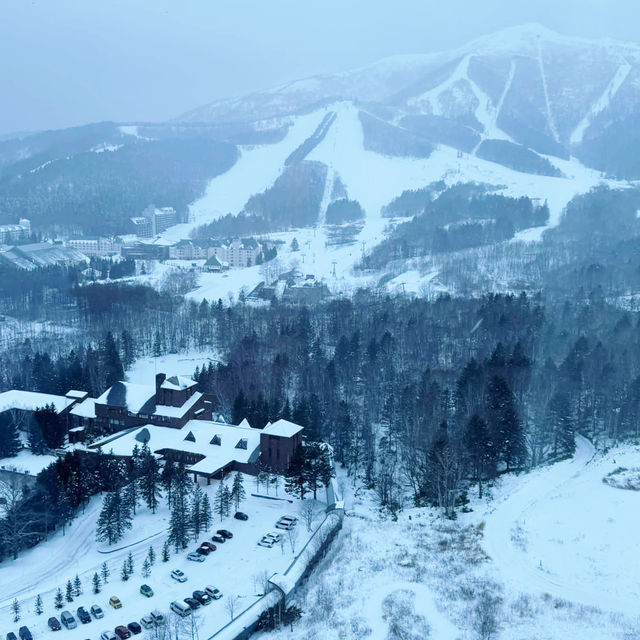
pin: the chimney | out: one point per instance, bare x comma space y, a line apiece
160, 378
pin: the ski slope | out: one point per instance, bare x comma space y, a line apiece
564, 532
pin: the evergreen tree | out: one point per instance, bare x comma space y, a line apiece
150, 478
77, 586
105, 573
38, 608
196, 511
206, 516
130, 563
146, 568
59, 599
114, 519
131, 499
124, 572
69, 591
226, 501
151, 556
15, 610
295, 482
9, 437
166, 554
97, 584
179, 523
562, 425
480, 450
238, 494
50, 426
167, 477
113, 370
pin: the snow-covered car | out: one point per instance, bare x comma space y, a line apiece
158, 618
266, 542
276, 537
96, 611
215, 593
287, 522
202, 597
194, 556
108, 635
147, 622
178, 575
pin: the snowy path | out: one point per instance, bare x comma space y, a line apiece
527, 571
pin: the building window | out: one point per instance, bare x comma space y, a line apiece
242, 443
216, 440
190, 437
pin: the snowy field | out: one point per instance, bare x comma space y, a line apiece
143, 370
26, 462
233, 567
422, 575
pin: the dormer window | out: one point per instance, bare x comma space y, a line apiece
190, 437
242, 443
216, 440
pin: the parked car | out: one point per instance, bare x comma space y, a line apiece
266, 542
240, 516
203, 551
209, 545
96, 611
68, 620
276, 537
122, 632
54, 624
218, 539
83, 615
158, 618
181, 608
178, 575
24, 633
192, 602
291, 519
216, 594
195, 557
11, 636
146, 590
114, 601
108, 635
202, 597
147, 622
134, 627
225, 533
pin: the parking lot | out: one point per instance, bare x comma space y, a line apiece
236, 568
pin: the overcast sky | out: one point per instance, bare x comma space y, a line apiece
69, 62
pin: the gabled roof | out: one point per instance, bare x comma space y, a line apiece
136, 398
178, 383
282, 428
213, 262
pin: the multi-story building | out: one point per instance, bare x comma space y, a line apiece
95, 245
190, 250
11, 233
142, 227
237, 253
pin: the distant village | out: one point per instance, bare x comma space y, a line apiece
143, 242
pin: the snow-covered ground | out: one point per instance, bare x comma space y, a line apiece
143, 370
232, 568
26, 462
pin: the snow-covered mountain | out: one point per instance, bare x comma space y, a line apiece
527, 86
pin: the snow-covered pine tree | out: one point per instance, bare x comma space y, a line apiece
206, 515
124, 572
68, 594
151, 556
77, 586
196, 511
105, 573
15, 610
59, 599
130, 565
146, 568
38, 608
238, 494
97, 584
166, 553
150, 478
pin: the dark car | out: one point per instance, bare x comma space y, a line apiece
192, 602
122, 632
225, 534
218, 539
54, 624
209, 545
11, 636
241, 516
203, 551
202, 597
134, 627
83, 615
24, 633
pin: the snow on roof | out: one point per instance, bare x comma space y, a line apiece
74, 393
178, 383
86, 409
128, 395
215, 456
177, 412
282, 428
31, 400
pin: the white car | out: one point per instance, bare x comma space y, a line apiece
276, 537
147, 622
266, 542
108, 635
196, 557
216, 594
178, 575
